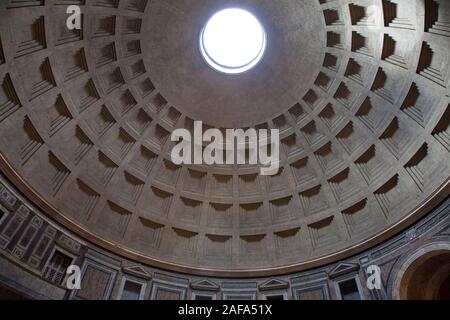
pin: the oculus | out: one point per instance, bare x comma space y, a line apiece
233, 41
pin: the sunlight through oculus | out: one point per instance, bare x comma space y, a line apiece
233, 41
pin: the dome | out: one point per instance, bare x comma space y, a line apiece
358, 92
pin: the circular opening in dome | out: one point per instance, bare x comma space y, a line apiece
233, 41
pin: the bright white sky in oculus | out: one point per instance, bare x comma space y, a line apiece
233, 41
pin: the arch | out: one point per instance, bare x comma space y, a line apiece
425, 275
